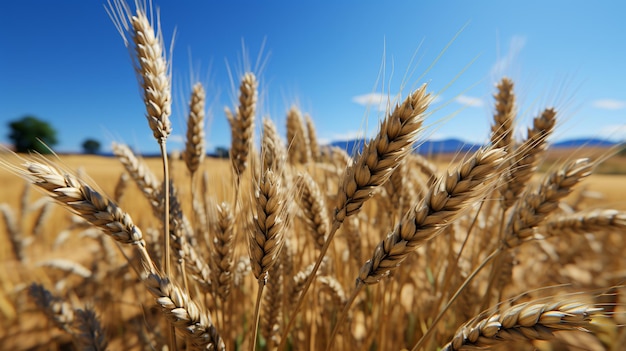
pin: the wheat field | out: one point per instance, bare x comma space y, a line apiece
293, 245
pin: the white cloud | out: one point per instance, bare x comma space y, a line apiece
374, 100
503, 64
609, 104
380, 102
469, 101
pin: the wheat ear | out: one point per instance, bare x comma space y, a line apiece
382, 154
523, 322
274, 154
536, 204
152, 68
184, 314
584, 222
140, 173
267, 238
120, 187
195, 146
314, 207
526, 157
89, 334
313, 143
56, 309
13, 230
222, 251
242, 123
504, 116
297, 139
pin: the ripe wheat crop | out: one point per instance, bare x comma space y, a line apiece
309, 247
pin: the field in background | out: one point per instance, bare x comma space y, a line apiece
601, 190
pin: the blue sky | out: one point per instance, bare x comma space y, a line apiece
64, 62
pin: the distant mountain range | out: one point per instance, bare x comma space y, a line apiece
452, 145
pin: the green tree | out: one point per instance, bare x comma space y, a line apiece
91, 146
221, 152
32, 134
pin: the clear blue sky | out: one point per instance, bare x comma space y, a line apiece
64, 62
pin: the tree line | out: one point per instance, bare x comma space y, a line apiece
31, 134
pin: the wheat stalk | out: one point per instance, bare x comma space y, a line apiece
272, 306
